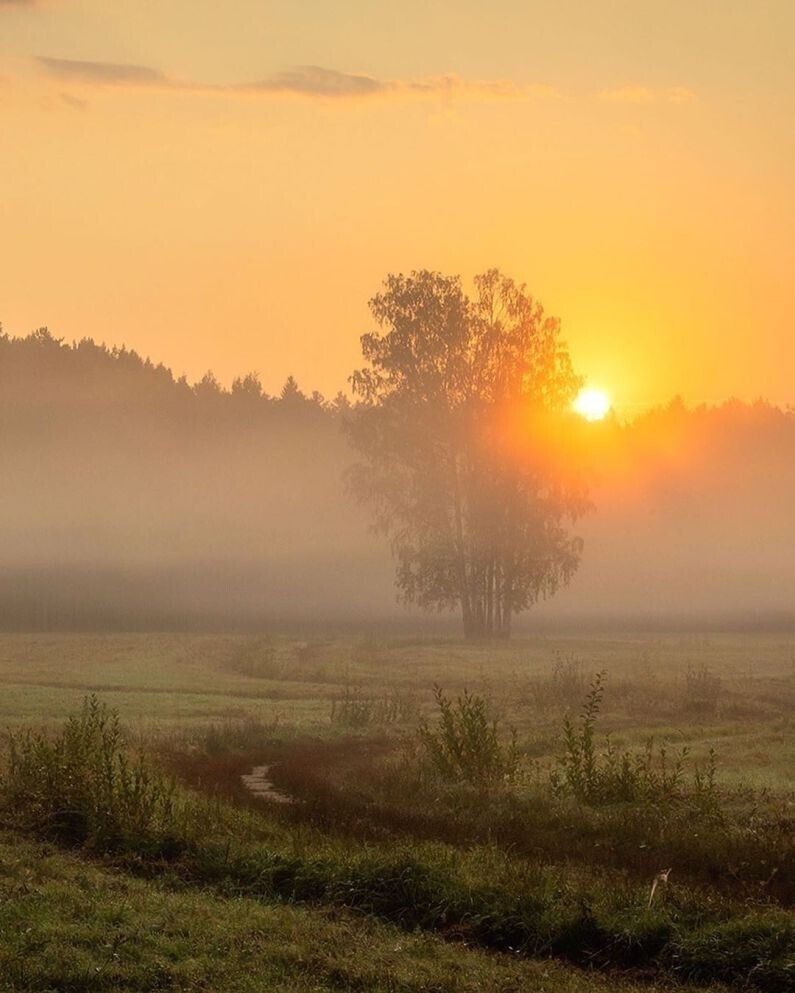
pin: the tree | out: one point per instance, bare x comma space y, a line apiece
291, 393
247, 389
458, 403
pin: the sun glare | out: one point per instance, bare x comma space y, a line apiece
592, 404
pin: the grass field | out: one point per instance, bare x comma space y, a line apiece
169, 681
381, 877
71, 925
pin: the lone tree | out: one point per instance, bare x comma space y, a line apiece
459, 402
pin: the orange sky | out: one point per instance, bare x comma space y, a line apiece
224, 185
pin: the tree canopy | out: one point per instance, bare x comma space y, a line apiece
460, 397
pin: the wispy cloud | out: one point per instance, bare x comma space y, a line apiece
321, 83
314, 82
647, 95
317, 81
103, 73
72, 101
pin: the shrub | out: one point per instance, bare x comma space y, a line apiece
615, 775
81, 786
465, 745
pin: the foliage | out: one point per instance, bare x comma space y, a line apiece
94, 374
616, 775
466, 744
496, 902
724, 844
463, 402
81, 786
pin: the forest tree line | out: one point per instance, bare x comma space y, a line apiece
132, 497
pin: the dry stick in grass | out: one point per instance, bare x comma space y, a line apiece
660, 879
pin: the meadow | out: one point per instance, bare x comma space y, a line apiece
486, 837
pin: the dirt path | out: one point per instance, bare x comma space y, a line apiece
304, 774
260, 786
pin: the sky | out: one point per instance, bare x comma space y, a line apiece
224, 186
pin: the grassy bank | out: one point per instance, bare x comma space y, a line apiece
69, 925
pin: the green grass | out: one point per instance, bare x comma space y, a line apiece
479, 899
509, 906
169, 681
516, 874
70, 925
79, 787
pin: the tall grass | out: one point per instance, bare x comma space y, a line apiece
354, 709
563, 687
83, 786
613, 775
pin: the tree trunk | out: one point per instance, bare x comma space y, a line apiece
507, 605
497, 594
490, 597
474, 628
464, 593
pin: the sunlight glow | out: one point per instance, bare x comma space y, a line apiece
592, 404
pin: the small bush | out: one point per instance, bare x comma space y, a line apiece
81, 786
615, 775
465, 745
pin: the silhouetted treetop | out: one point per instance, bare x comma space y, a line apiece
41, 371
451, 386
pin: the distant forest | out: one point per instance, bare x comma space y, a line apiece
135, 499
40, 372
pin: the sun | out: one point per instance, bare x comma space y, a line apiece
592, 404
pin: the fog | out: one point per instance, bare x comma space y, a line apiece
694, 516
134, 500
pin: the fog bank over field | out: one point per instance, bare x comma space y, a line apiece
131, 499
694, 515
